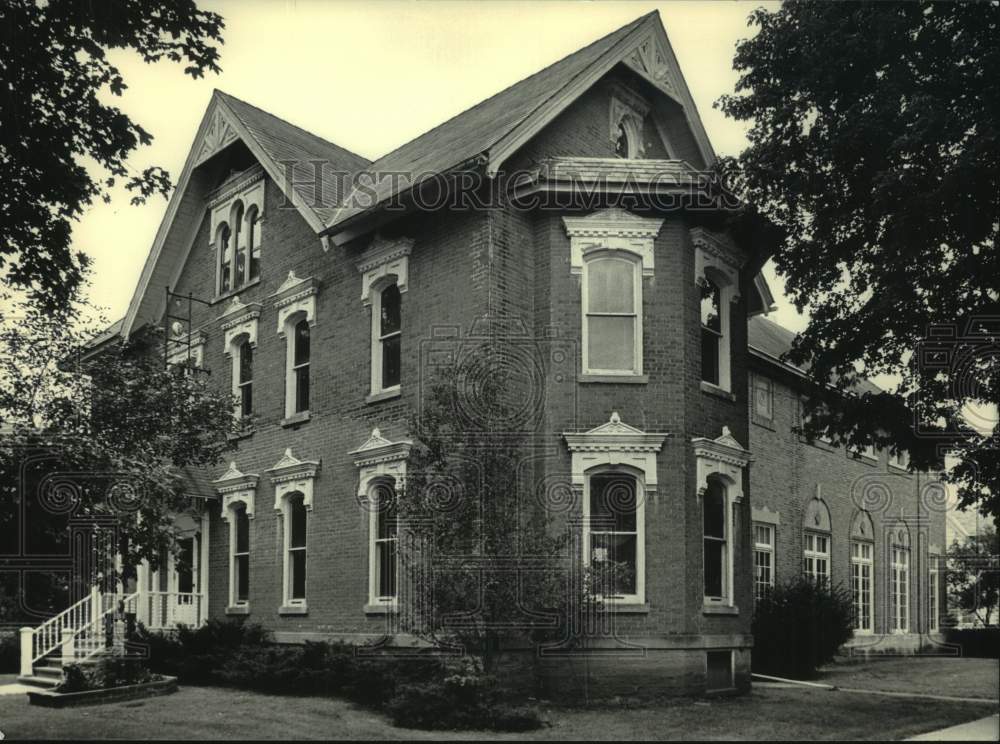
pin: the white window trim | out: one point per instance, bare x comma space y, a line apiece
815, 555
637, 333
899, 591
768, 548
870, 562
286, 550
177, 347
639, 597
233, 351
718, 258
377, 338
374, 598
294, 300
755, 379
614, 232
629, 109
249, 191
615, 444
291, 476
900, 461
727, 598
235, 488
379, 460
933, 597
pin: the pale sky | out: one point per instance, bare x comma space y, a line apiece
370, 76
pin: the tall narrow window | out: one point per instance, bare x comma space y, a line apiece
763, 397
295, 531
899, 577
388, 338
613, 535
716, 538
253, 241
240, 579
933, 592
711, 331
611, 329
384, 545
300, 366
622, 143
861, 585
245, 383
185, 566
225, 258
816, 557
240, 246
763, 560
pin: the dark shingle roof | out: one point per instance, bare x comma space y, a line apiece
286, 142
476, 130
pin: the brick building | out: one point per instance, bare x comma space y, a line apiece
327, 288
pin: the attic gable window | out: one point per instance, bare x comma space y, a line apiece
628, 111
236, 213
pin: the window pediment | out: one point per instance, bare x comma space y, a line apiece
715, 253
615, 443
384, 258
612, 230
178, 346
239, 319
234, 487
723, 456
292, 475
379, 457
293, 296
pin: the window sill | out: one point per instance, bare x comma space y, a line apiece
238, 290
902, 469
614, 379
388, 394
707, 387
720, 609
381, 609
241, 609
295, 419
625, 608
299, 609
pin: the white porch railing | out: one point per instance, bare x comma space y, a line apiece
164, 610
78, 632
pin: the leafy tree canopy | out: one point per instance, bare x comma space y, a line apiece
874, 149
61, 146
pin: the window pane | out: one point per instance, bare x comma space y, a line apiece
617, 549
242, 530
253, 240
710, 304
225, 258
298, 568
185, 566
301, 342
610, 286
242, 578
246, 399
246, 362
391, 353
715, 511
611, 342
714, 560
386, 556
613, 502
302, 389
297, 526
386, 515
710, 356
621, 144
390, 322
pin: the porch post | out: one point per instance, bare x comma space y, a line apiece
95, 605
68, 646
140, 592
203, 572
27, 652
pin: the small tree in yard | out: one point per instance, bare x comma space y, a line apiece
121, 425
485, 559
974, 576
799, 626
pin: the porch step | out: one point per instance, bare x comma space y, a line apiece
53, 672
43, 682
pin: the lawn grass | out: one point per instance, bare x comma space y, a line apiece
217, 713
955, 677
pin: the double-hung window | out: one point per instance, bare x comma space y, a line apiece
240, 545
711, 332
717, 547
613, 537
612, 317
816, 557
933, 593
245, 380
862, 582
295, 541
300, 367
763, 560
899, 590
387, 339
383, 577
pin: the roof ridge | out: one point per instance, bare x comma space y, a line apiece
322, 139
484, 101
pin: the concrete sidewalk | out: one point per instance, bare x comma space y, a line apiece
985, 729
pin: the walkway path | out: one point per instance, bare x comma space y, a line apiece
985, 729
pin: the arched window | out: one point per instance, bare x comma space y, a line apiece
239, 580
239, 245
628, 142
383, 576
300, 366
711, 331
253, 241
386, 339
863, 572
294, 513
717, 541
612, 536
622, 143
245, 379
612, 331
899, 580
816, 541
225, 258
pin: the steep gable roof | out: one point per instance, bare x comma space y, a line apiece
493, 129
272, 141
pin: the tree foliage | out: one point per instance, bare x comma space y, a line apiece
63, 145
874, 148
974, 575
125, 430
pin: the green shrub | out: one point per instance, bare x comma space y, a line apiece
196, 655
75, 679
109, 671
799, 627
